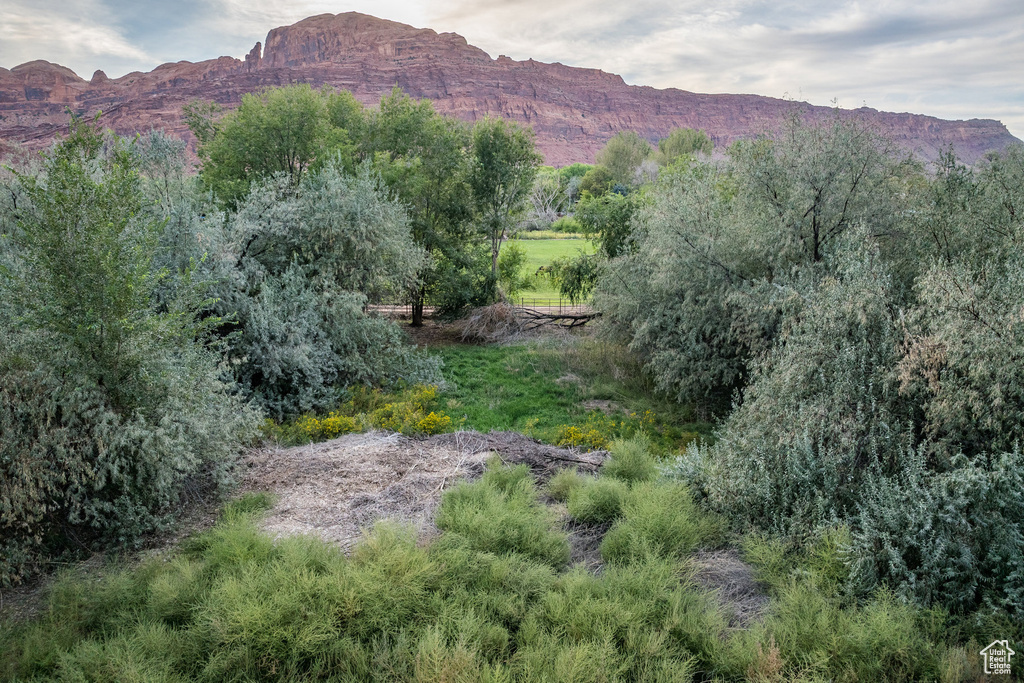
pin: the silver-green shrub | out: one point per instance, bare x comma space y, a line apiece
303, 263
887, 393
954, 538
822, 409
111, 400
698, 297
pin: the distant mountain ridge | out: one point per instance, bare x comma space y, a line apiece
573, 110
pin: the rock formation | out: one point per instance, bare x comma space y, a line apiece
573, 110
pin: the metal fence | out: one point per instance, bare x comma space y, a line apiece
552, 305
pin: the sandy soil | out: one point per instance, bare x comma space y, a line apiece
336, 489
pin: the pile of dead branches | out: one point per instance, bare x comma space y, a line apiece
492, 324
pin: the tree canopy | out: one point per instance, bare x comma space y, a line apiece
504, 165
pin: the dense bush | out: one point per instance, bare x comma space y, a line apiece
501, 514
822, 411
631, 460
300, 263
696, 294
886, 390
598, 500
862, 321
111, 399
955, 538
659, 520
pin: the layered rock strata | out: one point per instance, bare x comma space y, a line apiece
572, 110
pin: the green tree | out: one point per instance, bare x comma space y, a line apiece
505, 164
682, 143
423, 157
511, 278
608, 221
596, 182
110, 397
283, 130
622, 155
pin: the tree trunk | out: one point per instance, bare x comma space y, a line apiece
418, 296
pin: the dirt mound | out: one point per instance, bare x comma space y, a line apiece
337, 488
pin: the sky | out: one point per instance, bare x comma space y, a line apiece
956, 59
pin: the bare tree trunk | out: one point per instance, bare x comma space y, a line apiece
418, 297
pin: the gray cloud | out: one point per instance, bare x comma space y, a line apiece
949, 59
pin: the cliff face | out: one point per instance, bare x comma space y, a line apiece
573, 111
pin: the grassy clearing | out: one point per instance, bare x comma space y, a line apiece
486, 601
543, 389
509, 388
543, 252
549, 235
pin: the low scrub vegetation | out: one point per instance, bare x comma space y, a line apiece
808, 356
414, 411
489, 599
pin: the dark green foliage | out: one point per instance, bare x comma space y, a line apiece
576, 277
682, 144
284, 130
504, 166
111, 399
566, 224
622, 155
596, 182
608, 220
424, 159
501, 514
511, 278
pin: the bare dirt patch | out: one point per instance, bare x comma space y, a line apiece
606, 407
734, 583
336, 489
432, 333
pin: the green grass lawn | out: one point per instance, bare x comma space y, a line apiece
508, 388
541, 253
540, 389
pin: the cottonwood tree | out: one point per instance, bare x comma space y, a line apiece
622, 154
277, 130
424, 158
682, 143
505, 163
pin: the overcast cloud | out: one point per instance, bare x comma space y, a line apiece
954, 60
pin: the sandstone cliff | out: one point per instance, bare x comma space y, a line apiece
573, 110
